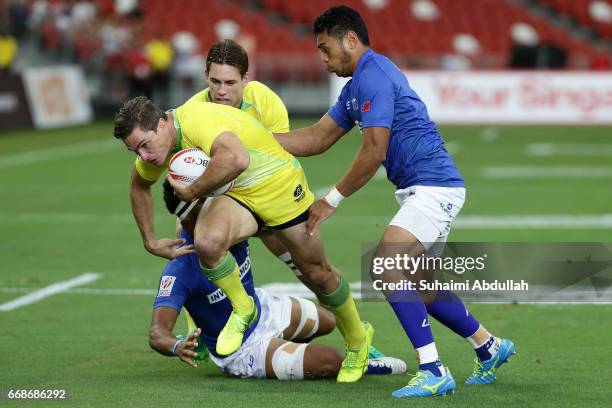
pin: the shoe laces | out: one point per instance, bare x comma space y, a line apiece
239, 323
418, 379
478, 368
351, 359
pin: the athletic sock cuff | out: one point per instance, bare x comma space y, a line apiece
338, 297
225, 268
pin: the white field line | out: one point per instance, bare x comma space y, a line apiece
501, 221
526, 221
603, 221
50, 290
59, 152
539, 172
62, 218
568, 149
453, 147
283, 289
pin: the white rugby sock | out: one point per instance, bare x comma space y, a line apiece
286, 258
428, 353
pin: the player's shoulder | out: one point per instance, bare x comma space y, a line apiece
255, 87
378, 65
200, 96
182, 269
256, 91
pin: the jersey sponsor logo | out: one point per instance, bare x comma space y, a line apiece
366, 106
218, 295
165, 286
299, 193
355, 104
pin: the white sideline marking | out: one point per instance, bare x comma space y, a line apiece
452, 147
507, 221
528, 172
58, 152
284, 289
66, 217
526, 221
489, 134
568, 149
603, 221
50, 290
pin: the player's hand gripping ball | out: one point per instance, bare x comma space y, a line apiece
188, 165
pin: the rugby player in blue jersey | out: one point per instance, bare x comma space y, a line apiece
397, 133
274, 347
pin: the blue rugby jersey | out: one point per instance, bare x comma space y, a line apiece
183, 283
378, 95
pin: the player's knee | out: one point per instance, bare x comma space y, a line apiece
320, 275
211, 247
321, 361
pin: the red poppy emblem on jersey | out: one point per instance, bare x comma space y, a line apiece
365, 107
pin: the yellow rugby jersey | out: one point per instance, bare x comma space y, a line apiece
199, 123
260, 102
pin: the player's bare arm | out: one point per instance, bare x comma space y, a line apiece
229, 158
142, 208
370, 156
162, 340
311, 140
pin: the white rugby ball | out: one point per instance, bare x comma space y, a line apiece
188, 165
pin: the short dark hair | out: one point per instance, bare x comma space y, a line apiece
339, 20
177, 207
170, 199
228, 52
137, 112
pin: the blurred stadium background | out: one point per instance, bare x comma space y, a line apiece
522, 93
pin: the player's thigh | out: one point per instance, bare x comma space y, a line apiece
308, 256
224, 223
286, 360
272, 242
304, 249
398, 242
308, 321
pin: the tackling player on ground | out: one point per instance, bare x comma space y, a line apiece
274, 347
397, 133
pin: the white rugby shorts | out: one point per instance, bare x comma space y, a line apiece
427, 213
250, 359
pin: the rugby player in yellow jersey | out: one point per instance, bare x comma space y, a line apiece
270, 189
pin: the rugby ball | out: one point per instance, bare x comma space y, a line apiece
188, 165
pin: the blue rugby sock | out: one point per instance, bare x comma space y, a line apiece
412, 314
434, 367
449, 310
487, 350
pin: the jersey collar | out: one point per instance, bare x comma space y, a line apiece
366, 55
179, 133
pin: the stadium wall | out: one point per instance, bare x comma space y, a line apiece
510, 97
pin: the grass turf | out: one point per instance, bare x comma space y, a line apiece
60, 218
